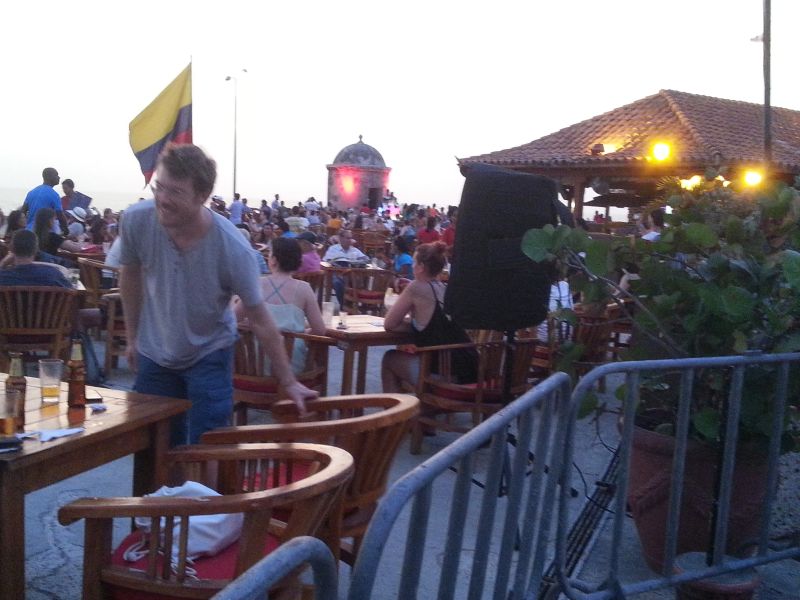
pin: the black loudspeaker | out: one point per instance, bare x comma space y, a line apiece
493, 285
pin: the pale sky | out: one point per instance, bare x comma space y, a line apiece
423, 82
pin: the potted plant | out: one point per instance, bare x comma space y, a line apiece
723, 278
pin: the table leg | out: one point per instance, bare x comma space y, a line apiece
149, 468
12, 536
361, 376
347, 368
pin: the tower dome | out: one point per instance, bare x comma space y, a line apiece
357, 176
359, 154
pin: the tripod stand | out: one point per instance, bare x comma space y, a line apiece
511, 440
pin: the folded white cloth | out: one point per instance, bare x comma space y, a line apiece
51, 434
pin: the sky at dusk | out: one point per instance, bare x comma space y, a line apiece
423, 82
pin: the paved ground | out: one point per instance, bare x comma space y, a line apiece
53, 552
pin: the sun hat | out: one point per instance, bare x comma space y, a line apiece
78, 214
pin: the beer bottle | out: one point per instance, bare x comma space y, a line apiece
76, 380
16, 381
16, 375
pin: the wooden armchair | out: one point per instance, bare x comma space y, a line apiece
35, 320
253, 389
368, 427
116, 334
282, 490
92, 278
366, 289
443, 398
373, 241
577, 347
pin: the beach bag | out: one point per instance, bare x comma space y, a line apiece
208, 534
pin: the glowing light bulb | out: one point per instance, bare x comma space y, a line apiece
752, 178
661, 151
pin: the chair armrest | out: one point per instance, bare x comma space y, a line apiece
310, 337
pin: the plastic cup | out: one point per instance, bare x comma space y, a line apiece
106, 247
50, 373
12, 412
74, 276
327, 313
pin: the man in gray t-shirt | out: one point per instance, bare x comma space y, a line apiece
181, 264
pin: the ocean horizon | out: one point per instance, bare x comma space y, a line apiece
12, 198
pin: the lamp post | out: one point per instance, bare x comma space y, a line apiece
235, 126
767, 39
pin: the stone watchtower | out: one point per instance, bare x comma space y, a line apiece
357, 175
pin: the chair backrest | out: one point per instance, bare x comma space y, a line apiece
372, 280
299, 484
92, 278
370, 427
248, 360
36, 319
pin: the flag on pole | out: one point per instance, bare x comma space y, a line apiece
168, 118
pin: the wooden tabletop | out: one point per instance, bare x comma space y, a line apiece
125, 411
366, 328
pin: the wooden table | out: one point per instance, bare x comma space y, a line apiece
132, 424
362, 332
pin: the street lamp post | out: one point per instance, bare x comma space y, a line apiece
235, 125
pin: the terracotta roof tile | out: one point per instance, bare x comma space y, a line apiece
697, 128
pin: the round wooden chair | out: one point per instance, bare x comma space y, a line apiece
35, 320
252, 389
366, 290
442, 398
369, 427
282, 490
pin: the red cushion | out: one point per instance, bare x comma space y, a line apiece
367, 295
249, 385
466, 391
221, 566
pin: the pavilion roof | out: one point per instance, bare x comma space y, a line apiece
701, 130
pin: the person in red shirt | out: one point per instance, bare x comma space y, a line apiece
449, 236
429, 234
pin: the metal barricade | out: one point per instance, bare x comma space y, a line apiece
254, 583
612, 586
448, 563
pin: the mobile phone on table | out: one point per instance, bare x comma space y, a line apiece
93, 396
9, 441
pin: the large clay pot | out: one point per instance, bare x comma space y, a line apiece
648, 495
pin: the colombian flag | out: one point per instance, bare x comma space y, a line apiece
168, 118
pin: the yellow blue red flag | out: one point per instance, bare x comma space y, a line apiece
168, 118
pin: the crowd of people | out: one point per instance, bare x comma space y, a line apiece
191, 267
188, 274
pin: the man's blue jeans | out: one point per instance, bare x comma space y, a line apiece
208, 384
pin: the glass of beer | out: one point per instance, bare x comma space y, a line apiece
50, 373
12, 412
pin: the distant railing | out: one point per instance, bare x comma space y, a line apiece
612, 586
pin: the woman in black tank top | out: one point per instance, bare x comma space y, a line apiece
421, 300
